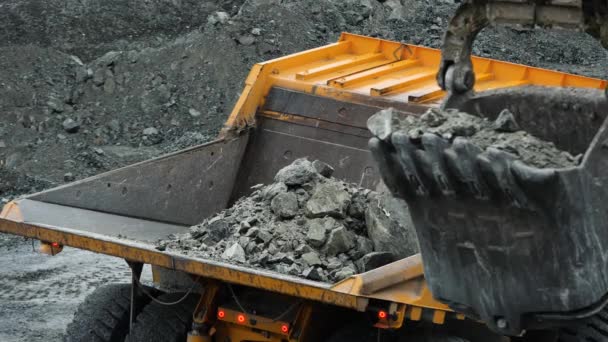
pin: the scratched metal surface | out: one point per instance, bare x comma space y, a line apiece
181, 188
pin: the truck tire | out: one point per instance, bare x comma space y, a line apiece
103, 316
164, 323
594, 328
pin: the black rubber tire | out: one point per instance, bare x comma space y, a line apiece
592, 329
103, 316
163, 323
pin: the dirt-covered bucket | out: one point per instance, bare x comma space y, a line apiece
515, 245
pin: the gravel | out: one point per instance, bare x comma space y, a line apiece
325, 237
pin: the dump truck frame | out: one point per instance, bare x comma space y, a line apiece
311, 104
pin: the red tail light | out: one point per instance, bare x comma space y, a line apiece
221, 314
382, 314
285, 328
240, 318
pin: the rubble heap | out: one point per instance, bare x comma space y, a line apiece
504, 134
305, 224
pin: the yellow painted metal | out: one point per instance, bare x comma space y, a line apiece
205, 311
358, 66
439, 317
198, 338
252, 328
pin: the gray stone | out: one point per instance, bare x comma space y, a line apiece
56, 105
246, 39
98, 76
70, 126
344, 273
312, 259
264, 236
69, 177
293, 269
302, 196
363, 246
281, 258
114, 125
244, 241
390, 226
383, 123
340, 240
358, 205
334, 264
323, 169
433, 117
244, 227
256, 31
217, 229
506, 122
272, 249
374, 260
285, 205
251, 247
218, 17
150, 131
297, 173
235, 252
253, 232
263, 258
302, 249
313, 273
272, 190
329, 199
194, 113
317, 231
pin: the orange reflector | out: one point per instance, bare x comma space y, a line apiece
285, 328
221, 314
240, 318
382, 314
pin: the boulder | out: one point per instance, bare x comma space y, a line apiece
329, 199
285, 205
390, 226
297, 173
340, 240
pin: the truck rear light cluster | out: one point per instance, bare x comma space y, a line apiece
263, 324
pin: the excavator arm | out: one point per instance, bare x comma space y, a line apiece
456, 70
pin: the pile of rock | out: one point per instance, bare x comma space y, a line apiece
305, 224
503, 134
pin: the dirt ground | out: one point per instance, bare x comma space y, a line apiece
90, 85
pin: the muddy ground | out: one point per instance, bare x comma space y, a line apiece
88, 86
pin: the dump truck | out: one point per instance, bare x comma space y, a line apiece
315, 104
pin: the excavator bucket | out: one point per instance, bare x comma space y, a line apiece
527, 249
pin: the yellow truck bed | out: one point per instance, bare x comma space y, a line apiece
311, 104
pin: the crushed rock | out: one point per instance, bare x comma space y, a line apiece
503, 134
273, 230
